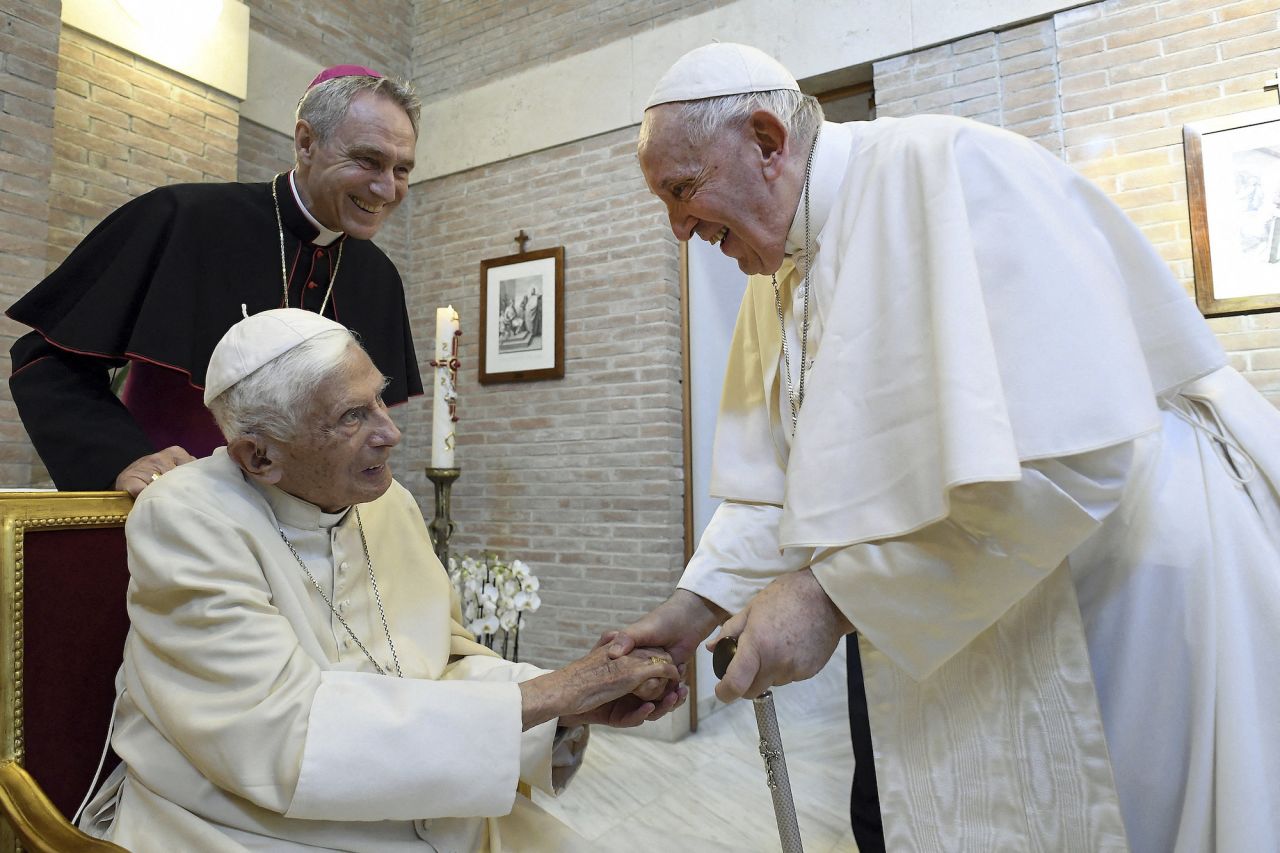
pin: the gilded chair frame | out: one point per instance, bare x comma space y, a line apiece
34, 817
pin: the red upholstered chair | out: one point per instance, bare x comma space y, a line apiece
63, 577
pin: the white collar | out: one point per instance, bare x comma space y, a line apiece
830, 162
294, 512
325, 237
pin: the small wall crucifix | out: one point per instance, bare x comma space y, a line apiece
522, 238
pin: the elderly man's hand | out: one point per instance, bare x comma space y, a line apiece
677, 625
577, 692
142, 472
787, 633
632, 710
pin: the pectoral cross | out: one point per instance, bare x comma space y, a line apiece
522, 238
1274, 83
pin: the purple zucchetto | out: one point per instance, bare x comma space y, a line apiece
342, 71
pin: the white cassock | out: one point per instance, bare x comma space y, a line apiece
1024, 473
247, 719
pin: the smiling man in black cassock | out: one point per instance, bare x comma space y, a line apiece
160, 280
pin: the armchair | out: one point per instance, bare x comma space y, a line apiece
63, 576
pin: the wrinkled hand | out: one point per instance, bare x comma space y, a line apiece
142, 472
632, 710
787, 633
579, 690
677, 625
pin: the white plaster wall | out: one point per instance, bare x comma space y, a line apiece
605, 88
277, 77
209, 48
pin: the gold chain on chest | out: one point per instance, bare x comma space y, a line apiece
284, 275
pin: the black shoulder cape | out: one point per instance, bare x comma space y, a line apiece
161, 279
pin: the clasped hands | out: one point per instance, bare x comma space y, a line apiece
615, 690
786, 633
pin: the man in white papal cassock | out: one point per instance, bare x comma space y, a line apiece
969, 413
296, 676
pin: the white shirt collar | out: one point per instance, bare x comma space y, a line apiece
325, 237
294, 512
830, 162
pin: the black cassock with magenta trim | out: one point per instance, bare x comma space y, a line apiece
156, 285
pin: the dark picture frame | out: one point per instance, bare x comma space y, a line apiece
522, 317
1233, 197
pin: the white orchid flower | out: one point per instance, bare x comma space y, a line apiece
493, 593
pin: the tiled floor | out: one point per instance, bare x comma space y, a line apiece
707, 793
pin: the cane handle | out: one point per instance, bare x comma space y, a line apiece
722, 655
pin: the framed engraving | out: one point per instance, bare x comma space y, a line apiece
1233, 196
522, 317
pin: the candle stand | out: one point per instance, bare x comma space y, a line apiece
441, 527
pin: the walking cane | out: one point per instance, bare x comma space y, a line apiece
775, 763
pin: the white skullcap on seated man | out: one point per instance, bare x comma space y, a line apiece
969, 413
295, 676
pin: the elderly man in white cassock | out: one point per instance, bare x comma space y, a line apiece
295, 675
969, 413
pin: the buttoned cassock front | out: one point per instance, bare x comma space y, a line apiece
248, 719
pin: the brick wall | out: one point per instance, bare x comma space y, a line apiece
1109, 86
376, 33
581, 477
1007, 79
117, 126
122, 126
463, 43
1167, 64
261, 152
28, 68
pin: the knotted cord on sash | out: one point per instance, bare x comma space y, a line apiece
1242, 474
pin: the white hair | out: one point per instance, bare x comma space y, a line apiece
275, 400
703, 119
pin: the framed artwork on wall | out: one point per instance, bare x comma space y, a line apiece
522, 317
1233, 195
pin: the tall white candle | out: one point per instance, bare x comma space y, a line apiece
444, 402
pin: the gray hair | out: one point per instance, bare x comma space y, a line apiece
702, 120
275, 400
325, 106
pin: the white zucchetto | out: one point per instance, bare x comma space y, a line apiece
719, 69
256, 340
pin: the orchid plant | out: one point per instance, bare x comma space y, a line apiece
494, 595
